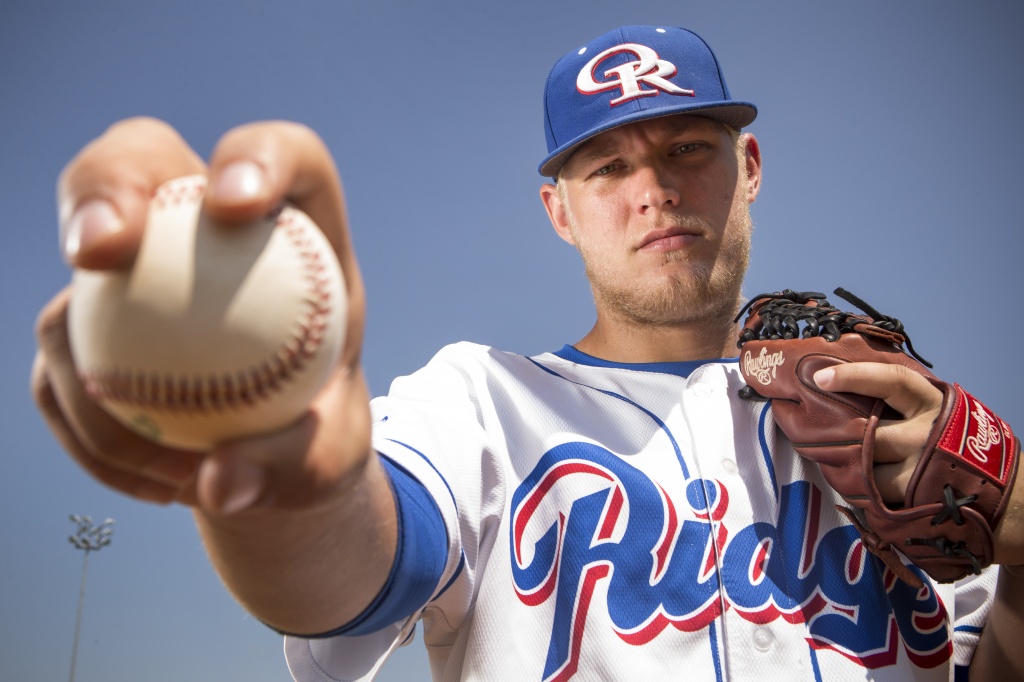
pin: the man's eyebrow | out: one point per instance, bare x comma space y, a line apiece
679, 127
598, 149
595, 150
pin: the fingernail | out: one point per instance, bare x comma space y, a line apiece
823, 377
92, 222
244, 489
238, 181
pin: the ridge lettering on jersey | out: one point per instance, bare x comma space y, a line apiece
586, 519
648, 68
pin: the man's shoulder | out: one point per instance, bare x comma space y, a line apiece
471, 353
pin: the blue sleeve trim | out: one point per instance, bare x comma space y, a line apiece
462, 554
420, 558
431, 465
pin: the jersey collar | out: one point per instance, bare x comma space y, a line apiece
680, 369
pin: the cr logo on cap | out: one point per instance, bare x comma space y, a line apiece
648, 68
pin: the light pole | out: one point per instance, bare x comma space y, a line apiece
88, 538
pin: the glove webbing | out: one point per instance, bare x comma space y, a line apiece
804, 314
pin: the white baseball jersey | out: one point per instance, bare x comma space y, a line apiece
636, 522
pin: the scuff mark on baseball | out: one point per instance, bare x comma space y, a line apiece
214, 332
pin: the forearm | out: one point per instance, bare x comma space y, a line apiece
311, 571
1000, 654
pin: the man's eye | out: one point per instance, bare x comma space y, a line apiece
605, 170
686, 148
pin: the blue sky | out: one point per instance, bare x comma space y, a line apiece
891, 168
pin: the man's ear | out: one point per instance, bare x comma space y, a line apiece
558, 212
752, 164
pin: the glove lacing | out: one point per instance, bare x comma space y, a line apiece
805, 314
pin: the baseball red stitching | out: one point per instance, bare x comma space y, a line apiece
248, 386
180, 191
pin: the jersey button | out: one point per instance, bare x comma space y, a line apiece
763, 638
729, 466
702, 390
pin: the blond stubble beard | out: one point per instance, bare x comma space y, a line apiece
707, 293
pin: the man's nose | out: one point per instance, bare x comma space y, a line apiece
656, 189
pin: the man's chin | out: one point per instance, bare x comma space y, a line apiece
678, 305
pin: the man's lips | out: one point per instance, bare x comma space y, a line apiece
668, 239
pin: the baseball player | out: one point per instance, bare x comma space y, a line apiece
609, 510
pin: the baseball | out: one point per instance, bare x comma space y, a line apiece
213, 332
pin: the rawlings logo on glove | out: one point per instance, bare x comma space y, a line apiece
959, 488
764, 366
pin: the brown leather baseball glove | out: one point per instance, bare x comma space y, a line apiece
962, 480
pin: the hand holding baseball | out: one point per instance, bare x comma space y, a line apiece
264, 504
214, 332
106, 195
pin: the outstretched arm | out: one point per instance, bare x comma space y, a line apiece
300, 524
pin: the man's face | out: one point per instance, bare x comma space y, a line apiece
659, 211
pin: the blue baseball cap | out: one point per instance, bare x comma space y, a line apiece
631, 74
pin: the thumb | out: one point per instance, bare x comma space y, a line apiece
906, 391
